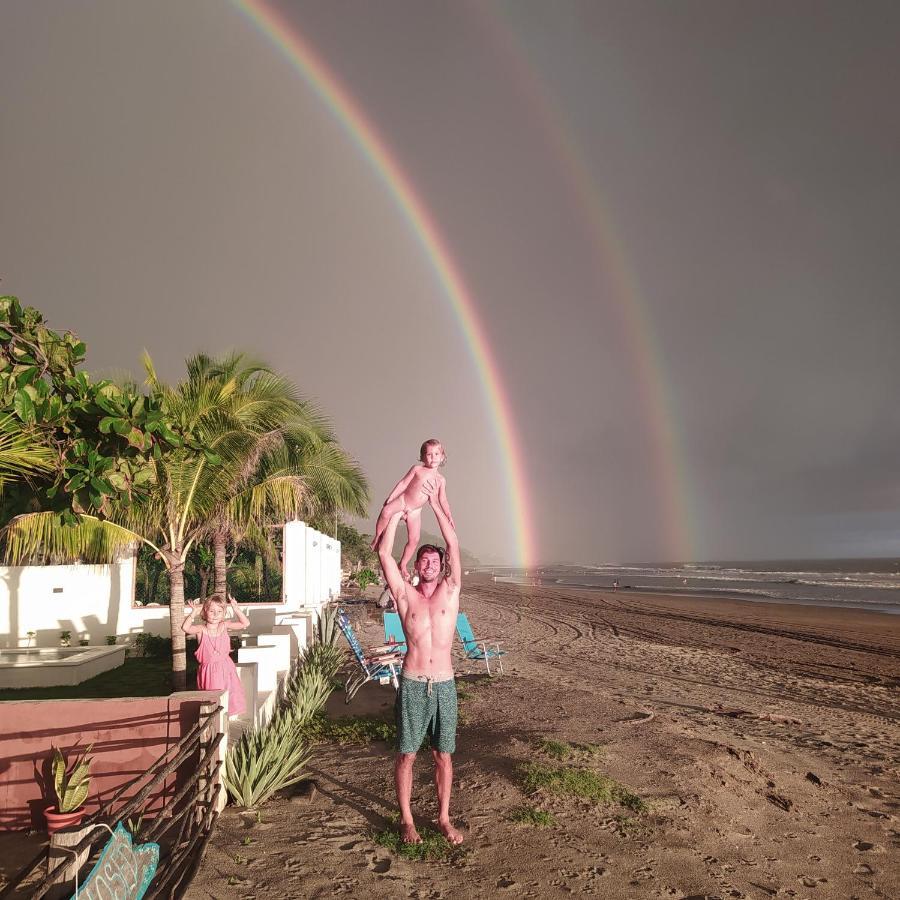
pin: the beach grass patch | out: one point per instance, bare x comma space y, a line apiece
434, 846
532, 815
556, 749
350, 730
581, 783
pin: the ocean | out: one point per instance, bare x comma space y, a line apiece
852, 583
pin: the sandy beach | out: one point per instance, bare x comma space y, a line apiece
762, 738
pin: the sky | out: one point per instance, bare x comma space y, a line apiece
675, 228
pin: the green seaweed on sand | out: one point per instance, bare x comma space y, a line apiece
579, 783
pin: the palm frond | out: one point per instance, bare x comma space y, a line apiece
44, 537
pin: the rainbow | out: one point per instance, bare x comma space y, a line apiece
616, 279
284, 35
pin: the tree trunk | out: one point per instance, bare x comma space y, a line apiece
204, 582
176, 617
220, 585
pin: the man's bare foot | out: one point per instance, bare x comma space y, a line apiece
448, 831
408, 834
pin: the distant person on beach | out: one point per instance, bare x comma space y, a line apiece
426, 700
407, 499
615, 584
217, 671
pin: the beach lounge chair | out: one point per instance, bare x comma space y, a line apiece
381, 664
393, 631
475, 649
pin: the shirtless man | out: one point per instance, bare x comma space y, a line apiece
426, 701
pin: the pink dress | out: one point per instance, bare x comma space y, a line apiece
217, 671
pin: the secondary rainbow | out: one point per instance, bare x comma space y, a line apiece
616, 279
284, 35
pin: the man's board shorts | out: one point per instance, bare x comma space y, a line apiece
426, 707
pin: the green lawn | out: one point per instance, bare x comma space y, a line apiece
138, 677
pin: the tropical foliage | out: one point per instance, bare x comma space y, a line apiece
275, 756
219, 457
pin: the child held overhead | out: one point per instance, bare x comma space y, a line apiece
407, 499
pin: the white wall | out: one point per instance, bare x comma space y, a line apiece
89, 601
95, 601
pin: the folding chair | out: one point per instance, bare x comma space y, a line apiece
474, 649
381, 664
393, 632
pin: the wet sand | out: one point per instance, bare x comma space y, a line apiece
764, 738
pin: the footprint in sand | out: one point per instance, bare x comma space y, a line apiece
863, 869
867, 847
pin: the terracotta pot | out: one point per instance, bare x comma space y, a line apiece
56, 821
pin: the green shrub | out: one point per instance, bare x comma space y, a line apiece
365, 577
153, 646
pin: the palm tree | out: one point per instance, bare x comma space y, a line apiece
189, 485
264, 456
292, 469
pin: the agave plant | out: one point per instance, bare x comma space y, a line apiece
71, 782
266, 760
327, 631
306, 691
326, 658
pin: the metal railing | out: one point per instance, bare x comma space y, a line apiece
181, 826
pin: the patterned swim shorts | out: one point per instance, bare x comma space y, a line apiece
426, 707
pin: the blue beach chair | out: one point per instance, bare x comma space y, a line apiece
475, 649
379, 664
393, 631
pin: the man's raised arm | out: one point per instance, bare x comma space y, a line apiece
449, 534
388, 564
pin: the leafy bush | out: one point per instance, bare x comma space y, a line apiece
153, 646
350, 729
365, 577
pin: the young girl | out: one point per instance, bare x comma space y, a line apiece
217, 672
407, 499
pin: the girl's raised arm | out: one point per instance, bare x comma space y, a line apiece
186, 625
401, 485
240, 621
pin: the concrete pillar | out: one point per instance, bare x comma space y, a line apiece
313, 569
294, 565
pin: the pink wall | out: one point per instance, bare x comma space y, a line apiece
128, 735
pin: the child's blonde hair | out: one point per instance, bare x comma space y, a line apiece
432, 442
212, 598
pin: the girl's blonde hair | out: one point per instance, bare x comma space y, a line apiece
432, 442
212, 598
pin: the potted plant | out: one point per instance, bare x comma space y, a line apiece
71, 781
65, 638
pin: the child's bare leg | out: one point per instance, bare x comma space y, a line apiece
413, 532
388, 511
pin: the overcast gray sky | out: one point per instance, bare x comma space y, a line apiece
170, 182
